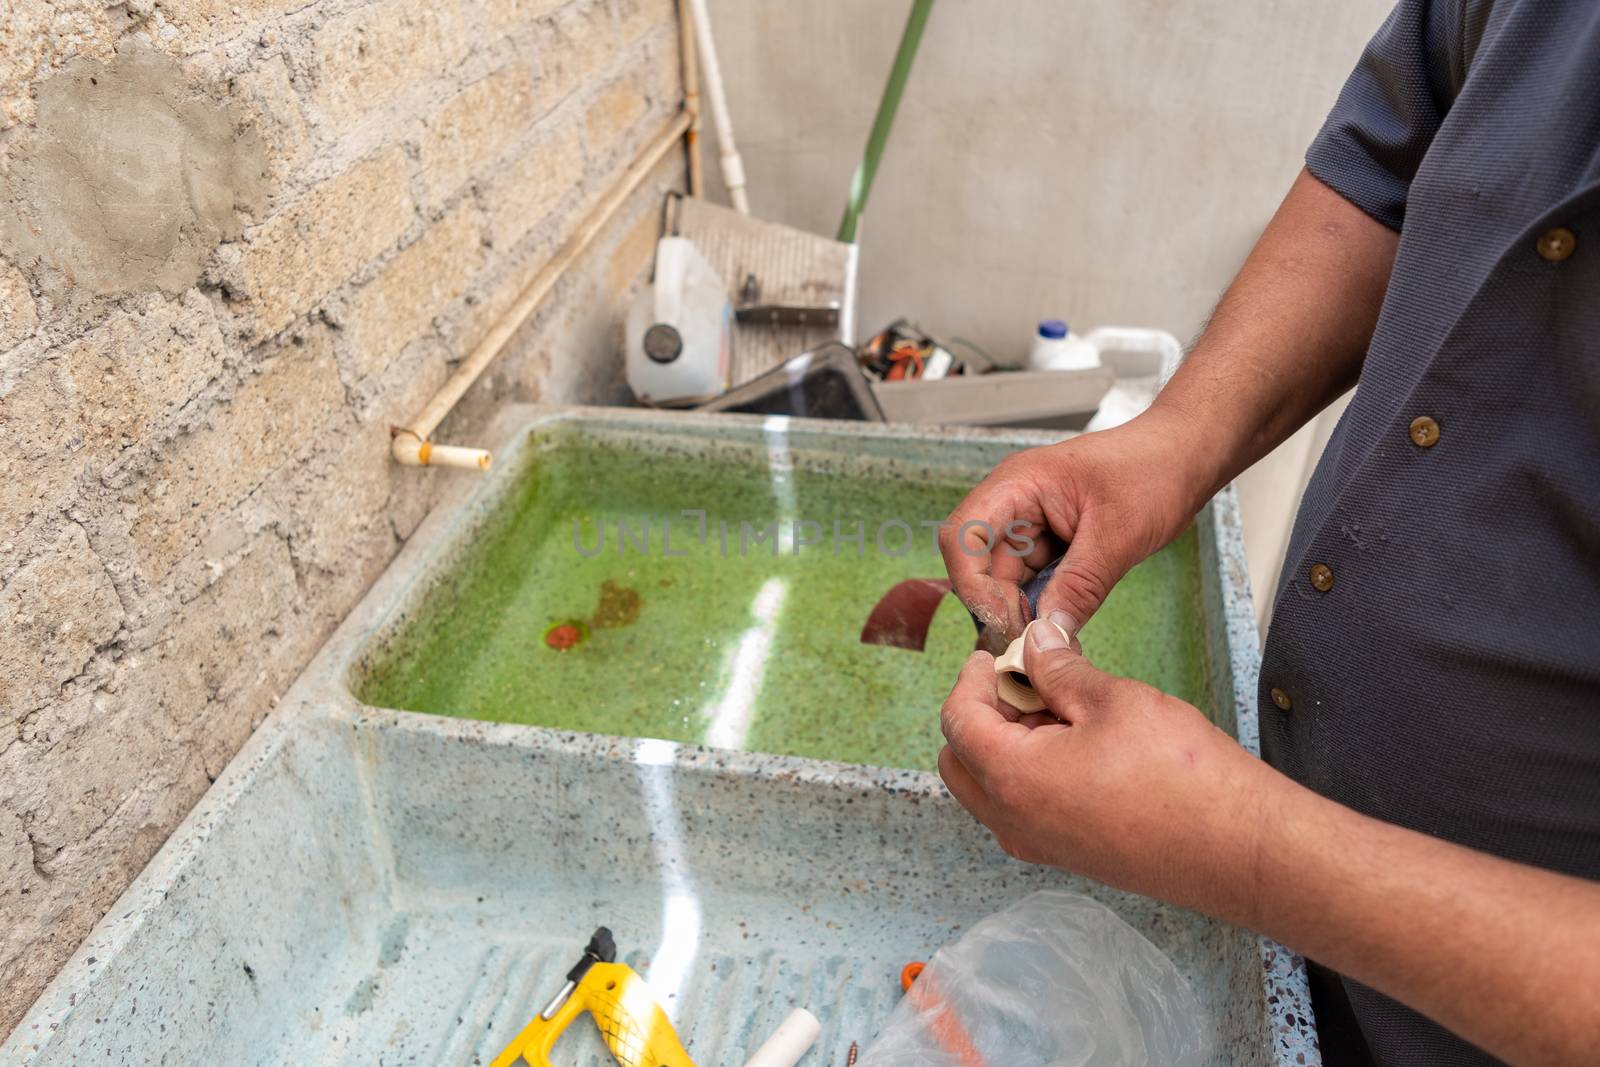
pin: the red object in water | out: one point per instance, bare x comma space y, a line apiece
902, 617
563, 635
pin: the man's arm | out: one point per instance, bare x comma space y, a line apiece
1287, 338
1139, 790
1291, 332
1507, 956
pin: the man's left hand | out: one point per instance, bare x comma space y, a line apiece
1118, 781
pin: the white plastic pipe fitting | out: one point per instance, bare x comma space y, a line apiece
1011, 675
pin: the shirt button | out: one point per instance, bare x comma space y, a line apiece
1424, 432
1280, 698
1557, 244
1321, 578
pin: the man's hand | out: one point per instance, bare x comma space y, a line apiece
1109, 499
1136, 789
1121, 783
1287, 338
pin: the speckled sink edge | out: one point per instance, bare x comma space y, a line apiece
322, 693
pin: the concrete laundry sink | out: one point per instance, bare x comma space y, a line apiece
705, 580
369, 886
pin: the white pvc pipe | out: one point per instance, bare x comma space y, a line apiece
414, 452
727, 151
847, 306
410, 445
792, 1039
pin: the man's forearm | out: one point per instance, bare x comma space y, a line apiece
1507, 956
1290, 333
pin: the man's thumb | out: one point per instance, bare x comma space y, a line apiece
1060, 675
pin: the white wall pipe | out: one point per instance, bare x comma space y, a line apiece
412, 451
410, 445
727, 151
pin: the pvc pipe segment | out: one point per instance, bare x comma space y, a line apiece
711, 69
413, 452
1011, 679
792, 1039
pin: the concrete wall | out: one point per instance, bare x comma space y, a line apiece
239, 239
1107, 161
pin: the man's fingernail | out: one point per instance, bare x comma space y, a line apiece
1065, 621
1045, 637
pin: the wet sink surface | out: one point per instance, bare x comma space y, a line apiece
382, 888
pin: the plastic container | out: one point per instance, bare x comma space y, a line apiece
1137, 352
1142, 360
1056, 347
678, 341
1130, 351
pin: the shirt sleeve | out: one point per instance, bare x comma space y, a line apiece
1373, 141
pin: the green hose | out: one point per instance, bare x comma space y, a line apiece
861, 184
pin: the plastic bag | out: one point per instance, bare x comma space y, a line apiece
1055, 980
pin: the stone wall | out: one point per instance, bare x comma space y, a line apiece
239, 239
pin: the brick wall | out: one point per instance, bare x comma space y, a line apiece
242, 238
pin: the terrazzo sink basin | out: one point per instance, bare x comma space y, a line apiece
372, 886
706, 581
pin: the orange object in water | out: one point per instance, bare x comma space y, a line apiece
563, 635
947, 1029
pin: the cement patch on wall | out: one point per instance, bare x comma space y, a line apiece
130, 177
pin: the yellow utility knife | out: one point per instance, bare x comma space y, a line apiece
631, 1022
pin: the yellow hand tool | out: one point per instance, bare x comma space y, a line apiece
631, 1023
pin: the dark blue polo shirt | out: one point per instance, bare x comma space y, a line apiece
1434, 654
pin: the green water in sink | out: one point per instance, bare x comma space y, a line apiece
747, 649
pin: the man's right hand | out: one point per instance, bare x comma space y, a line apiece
1287, 338
1108, 499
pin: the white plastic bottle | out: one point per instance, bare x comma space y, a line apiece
1056, 347
678, 341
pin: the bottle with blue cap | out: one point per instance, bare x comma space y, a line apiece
1056, 347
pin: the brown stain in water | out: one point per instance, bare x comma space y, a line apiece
619, 606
